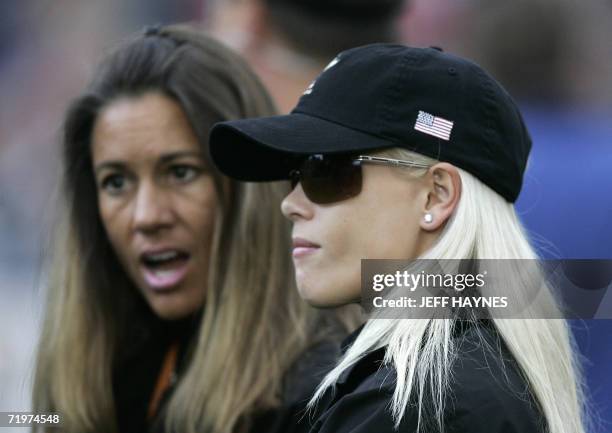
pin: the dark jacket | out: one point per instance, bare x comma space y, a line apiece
138, 365
487, 394
300, 383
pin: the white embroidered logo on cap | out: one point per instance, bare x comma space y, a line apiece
432, 125
308, 91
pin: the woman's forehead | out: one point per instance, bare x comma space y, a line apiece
150, 126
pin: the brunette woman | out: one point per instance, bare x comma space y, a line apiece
171, 301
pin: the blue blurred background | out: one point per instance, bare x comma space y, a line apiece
555, 57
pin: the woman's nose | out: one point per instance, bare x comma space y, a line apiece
296, 205
151, 209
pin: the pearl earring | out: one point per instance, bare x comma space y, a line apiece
428, 217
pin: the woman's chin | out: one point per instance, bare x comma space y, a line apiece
169, 314
319, 297
172, 308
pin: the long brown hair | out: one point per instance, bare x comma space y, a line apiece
254, 325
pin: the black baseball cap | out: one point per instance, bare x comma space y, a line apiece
387, 95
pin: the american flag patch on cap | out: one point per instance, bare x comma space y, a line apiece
432, 125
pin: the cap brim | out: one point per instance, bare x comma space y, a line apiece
268, 148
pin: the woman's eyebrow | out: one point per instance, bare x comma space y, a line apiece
168, 157
116, 165
180, 154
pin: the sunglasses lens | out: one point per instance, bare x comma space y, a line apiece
330, 178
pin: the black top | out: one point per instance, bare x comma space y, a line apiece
139, 363
299, 385
487, 394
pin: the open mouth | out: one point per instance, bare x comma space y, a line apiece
166, 269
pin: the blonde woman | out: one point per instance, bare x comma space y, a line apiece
171, 301
405, 153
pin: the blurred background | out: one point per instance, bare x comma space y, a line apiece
554, 56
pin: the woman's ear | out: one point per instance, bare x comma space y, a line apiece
443, 187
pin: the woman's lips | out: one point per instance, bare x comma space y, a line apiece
161, 280
164, 276
302, 247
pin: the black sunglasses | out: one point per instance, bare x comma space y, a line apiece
329, 178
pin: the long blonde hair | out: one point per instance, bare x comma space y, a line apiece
254, 325
483, 226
